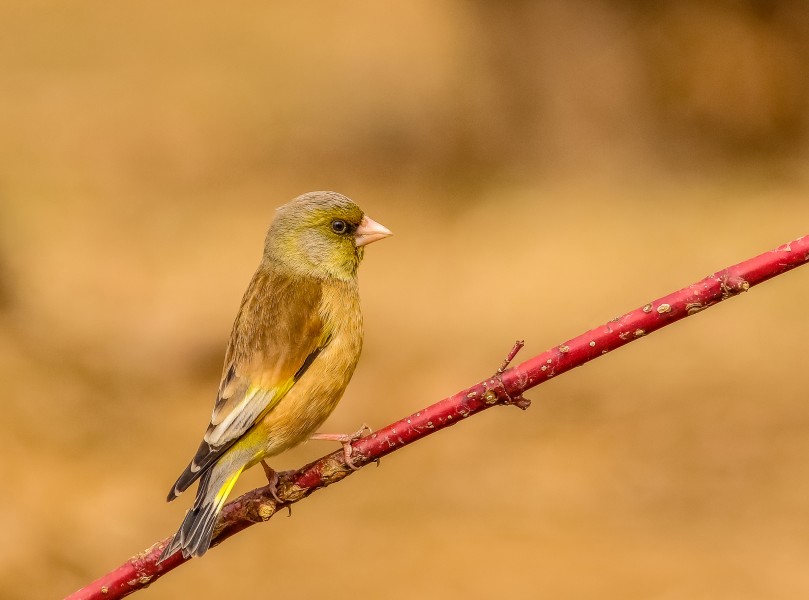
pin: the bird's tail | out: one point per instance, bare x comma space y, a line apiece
196, 530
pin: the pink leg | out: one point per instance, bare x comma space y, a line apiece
345, 439
272, 480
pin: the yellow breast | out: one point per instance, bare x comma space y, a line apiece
316, 394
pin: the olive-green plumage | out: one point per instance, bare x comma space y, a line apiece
293, 349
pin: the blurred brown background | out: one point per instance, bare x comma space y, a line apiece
545, 167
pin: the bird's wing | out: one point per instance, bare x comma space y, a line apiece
277, 335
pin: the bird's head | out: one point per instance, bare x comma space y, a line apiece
322, 234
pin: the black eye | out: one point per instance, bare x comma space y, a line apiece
339, 226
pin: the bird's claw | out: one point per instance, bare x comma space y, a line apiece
346, 439
272, 483
272, 480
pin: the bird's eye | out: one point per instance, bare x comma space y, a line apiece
339, 226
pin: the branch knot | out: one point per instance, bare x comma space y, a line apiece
496, 390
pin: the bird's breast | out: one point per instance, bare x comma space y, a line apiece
316, 394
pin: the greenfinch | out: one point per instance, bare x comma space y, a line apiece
293, 349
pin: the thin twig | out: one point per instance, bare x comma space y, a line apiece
517, 347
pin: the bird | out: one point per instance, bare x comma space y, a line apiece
295, 343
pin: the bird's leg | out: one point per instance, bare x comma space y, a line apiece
345, 439
272, 480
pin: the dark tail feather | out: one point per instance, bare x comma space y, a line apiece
196, 530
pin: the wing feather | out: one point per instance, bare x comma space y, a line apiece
277, 335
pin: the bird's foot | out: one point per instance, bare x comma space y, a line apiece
272, 480
272, 483
345, 439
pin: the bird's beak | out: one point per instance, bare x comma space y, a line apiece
370, 231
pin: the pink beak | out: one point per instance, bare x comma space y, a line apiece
370, 231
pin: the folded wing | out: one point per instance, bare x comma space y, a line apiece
277, 335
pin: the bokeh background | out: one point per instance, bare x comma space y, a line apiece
545, 166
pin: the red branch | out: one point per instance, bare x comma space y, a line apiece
504, 387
